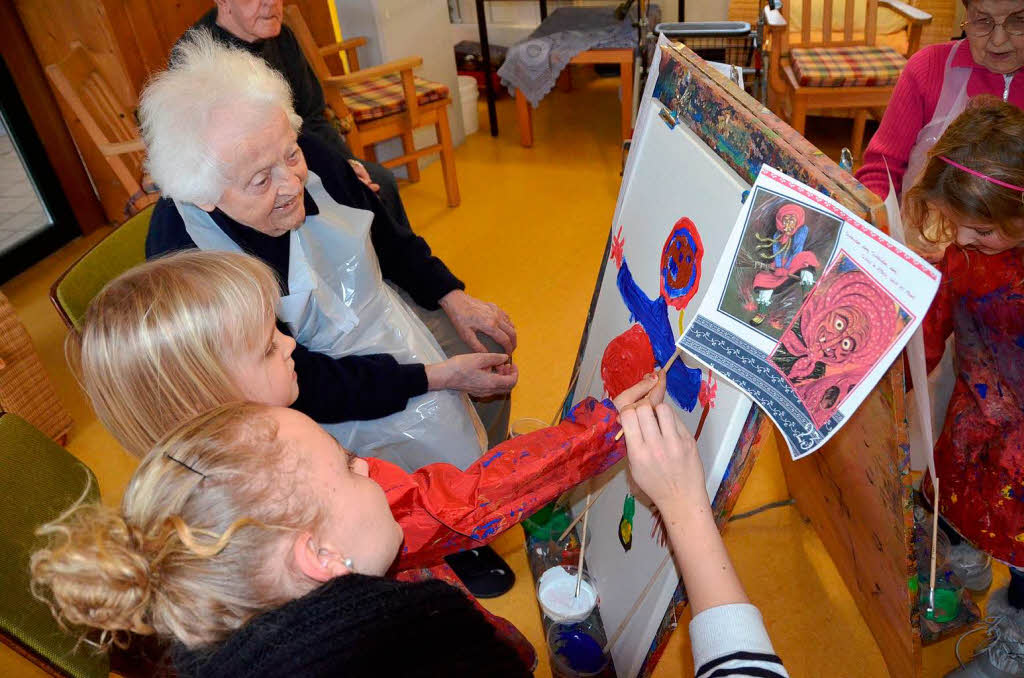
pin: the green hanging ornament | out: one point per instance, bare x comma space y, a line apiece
626, 522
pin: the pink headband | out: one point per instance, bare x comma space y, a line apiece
983, 176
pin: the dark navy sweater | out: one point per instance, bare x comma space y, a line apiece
332, 390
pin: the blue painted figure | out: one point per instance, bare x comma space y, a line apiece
680, 276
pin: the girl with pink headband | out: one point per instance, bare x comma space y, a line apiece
968, 200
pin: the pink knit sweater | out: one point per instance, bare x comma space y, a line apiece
913, 104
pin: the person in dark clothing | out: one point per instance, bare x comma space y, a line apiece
222, 144
256, 27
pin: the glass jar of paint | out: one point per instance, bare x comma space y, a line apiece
577, 649
558, 598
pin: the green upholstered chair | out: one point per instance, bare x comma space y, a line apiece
38, 481
123, 248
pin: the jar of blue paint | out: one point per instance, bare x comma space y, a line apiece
577, 649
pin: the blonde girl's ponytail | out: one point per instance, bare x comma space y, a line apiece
96, 573
197, 547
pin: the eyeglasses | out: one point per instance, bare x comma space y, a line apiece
979, 28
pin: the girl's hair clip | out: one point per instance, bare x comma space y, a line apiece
200, 473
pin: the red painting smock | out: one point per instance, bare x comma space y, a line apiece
979, 456
443, 510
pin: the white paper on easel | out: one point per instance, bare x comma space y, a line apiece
922, 432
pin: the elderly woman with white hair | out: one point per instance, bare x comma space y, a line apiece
224, 146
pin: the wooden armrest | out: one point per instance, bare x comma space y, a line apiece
374, 72
344, 45
908, 12
133, 146
774, 20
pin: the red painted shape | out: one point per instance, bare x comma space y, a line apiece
627, 359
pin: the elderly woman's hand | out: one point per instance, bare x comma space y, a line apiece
478, 374
469, 315
363, 175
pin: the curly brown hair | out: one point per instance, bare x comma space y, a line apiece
987, 137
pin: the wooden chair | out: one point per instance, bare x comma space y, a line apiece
824, 68
382, 102
108, 120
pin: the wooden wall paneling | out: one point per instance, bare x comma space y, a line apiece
856, 492
52, 25
137, 37
40, 102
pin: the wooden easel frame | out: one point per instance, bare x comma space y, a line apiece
856, 490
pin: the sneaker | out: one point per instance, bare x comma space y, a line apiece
972, 567
1003, 655
483, 571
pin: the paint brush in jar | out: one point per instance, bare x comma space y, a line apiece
583, 549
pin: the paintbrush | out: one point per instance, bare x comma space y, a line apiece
583, 513
664, 370
583, 548
935, 540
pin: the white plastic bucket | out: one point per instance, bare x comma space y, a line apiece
468, 95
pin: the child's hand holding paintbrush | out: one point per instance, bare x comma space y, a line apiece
635, 395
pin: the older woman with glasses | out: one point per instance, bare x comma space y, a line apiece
935, 86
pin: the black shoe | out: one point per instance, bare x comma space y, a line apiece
483, 572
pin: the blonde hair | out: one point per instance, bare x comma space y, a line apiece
987, 137
158, 341
178, 105
195, 550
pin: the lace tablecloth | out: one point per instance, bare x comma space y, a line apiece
533, 65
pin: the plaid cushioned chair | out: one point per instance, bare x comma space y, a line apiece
382, 102
837, 69
123, 248
38, 481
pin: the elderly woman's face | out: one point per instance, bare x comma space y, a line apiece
266, 172
998, 51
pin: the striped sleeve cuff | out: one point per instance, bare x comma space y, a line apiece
730, 640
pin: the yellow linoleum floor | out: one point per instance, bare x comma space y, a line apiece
529, 236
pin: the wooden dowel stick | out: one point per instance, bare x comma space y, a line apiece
583, 549
583, 512
664, 370
636, 605
935, 544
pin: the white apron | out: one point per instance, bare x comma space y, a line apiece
952, 102
338, 304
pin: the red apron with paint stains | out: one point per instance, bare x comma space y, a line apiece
443, 510
980, 455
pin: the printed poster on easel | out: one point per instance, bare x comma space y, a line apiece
807, 309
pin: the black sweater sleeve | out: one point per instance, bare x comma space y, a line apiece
405, 258
333, 390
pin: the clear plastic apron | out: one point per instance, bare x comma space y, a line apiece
338, 304
952, 102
